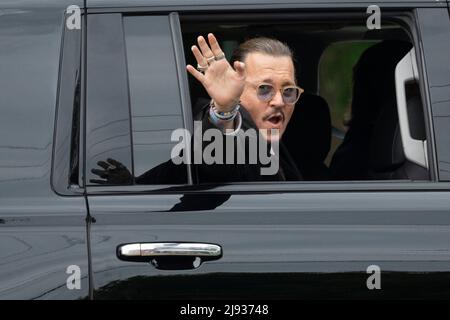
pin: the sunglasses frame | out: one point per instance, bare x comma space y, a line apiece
300, 90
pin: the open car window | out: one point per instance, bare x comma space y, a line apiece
361, 117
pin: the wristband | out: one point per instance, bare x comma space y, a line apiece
223, 115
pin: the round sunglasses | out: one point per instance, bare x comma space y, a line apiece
290, 94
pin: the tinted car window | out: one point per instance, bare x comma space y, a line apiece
107, 110
350, 67
154, 94
133, 100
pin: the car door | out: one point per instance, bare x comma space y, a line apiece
43, 248
243, 240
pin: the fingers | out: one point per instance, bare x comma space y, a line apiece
98, 181
110, 161
114, 172
240, 69
115, 163
197, 74
206, 51
214, 45
103, 164
201, 61
204, 55
101, 173
199, 57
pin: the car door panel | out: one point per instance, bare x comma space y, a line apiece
42, 233
296, 237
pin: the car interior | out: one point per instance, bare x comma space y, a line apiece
365, 143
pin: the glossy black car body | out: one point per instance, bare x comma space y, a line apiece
278, 241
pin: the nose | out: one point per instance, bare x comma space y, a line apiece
277, 100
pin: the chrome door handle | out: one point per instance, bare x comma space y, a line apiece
170, 249
170, 255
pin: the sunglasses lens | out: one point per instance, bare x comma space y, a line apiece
291, 94
265, 92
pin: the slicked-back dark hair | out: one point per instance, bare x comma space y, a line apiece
269, 46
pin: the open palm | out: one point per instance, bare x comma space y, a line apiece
223, 83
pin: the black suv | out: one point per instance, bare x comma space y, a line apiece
86, 81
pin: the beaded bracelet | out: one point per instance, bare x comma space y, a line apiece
224, 115
220, 119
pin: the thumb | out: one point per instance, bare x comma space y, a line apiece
240, 68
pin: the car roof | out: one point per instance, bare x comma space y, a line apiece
216, 3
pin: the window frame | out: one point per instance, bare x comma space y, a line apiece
62, 125
408, 18
434, 50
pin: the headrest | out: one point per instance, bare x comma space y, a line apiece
374, 79
374, 103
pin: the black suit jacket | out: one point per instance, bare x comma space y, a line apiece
169, 173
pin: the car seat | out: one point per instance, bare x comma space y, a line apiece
308, 136
387, 159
